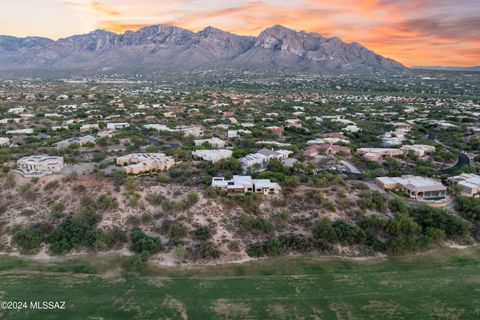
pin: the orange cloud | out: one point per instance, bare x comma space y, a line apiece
414, 32
104, 10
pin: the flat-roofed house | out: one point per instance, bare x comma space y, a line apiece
137, 163
39, 166
415, 187
21, 131
374, 154
76, 140
469, 184
213, 155
275, 130
325, 148
4, 142
253, 159
419, 149
263, 156
17, 110
213, 142
89, 127
293, 123
245, 184
118, 125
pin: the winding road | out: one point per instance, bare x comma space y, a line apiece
462, 161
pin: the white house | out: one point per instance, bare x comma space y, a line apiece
193, 131
75, 140
419, 188
419, 149
17, 110
235, 133
213, 155
10, 120
137, 163
4, 142
158, 127
263, 156
53, 115
39, 166
469, 183
245, 184
352, 128
118, 125
213, 142
21, 131
89, 127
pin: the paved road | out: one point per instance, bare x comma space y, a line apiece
350, 167
462, 161
431, 136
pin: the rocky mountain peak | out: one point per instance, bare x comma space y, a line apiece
165, 46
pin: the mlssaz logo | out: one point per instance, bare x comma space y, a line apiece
47, 305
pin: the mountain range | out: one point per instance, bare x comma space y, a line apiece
174, 48
443, 68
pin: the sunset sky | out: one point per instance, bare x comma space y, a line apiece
414, 32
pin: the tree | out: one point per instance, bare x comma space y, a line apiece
106, 202
275, 165
202, 233
324, 230
348, 234
28, 240
143, 243
291, 181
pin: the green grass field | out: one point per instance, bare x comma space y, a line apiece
444, 284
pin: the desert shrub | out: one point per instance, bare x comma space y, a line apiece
130, 184
275, 165
271, 247
402, 224
323, 230
79, 188
137, 262
76, 231
469, 208
52, 185
180, 251
192, 198
143, 243
115, 238
133, 220
106, 202
134, 199
58, 207
155, 198
70, 177
174, 230
254, 225
403, 244
372, 201
28, 240
291, 181
397, 205
437, 218
202, 233
347, 233
28, 212
9, 181
314, 198
204, 251
286, 244
28, 192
